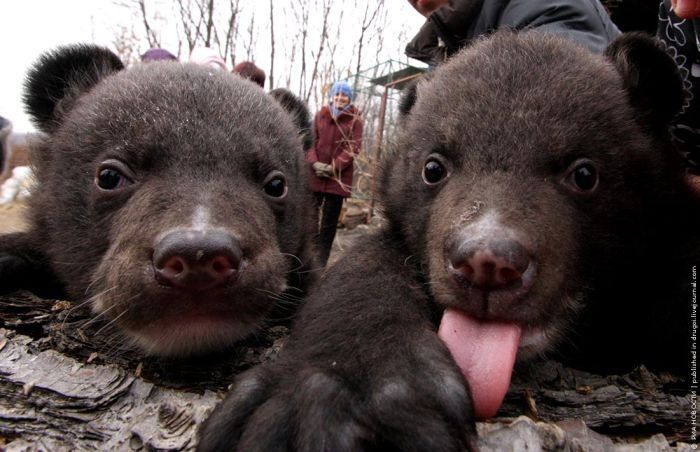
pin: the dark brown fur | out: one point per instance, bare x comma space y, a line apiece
509, 144
197, 146
299, 112
364, 369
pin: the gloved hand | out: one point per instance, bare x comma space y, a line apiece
323, 169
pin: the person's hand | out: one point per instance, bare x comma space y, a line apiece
323, 169
426, 7
685, 9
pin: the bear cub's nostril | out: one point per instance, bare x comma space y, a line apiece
493, 265
196, 260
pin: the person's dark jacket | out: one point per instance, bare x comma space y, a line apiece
337, 141
456, 24
682, 37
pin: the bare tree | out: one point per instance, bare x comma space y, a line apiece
197, 18
210, 22
326, 10
126, 45
201, 23
231, 31
288, 78
153, 40
139, 7
249, 45
301, 16
272, 46
331, 70
190, 26
367, 20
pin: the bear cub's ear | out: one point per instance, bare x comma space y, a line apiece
650, 76
411, 93
408, 99
299, 112
59, 77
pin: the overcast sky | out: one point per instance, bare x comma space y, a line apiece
30, 27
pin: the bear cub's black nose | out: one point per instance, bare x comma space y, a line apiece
493, 265
196, 260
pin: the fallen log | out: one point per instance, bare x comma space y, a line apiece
66, 384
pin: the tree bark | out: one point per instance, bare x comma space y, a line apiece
66, 388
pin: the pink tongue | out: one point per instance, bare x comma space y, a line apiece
485, 352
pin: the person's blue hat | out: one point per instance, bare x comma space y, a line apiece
341, 87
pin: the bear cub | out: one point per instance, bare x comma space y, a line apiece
170, 197
533, 205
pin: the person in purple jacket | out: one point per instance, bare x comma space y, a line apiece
337, 139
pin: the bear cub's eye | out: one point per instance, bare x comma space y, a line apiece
275, 185
582, 176
110, 176
434, 171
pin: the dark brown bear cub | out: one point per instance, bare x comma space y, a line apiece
532, 203
170, 197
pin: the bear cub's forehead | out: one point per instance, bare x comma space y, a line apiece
182, 109
517, 96
192, 85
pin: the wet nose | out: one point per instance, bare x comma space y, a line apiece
195, 260
491, 265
